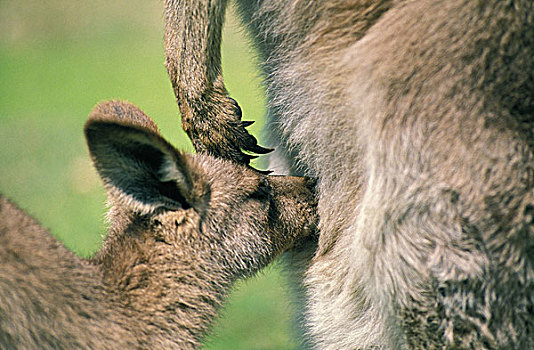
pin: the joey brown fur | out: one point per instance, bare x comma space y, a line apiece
183, 229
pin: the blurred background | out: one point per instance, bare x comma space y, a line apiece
58, 58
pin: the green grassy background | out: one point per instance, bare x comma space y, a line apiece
58, 58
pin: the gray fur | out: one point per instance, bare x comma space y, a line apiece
417, 118
182, 230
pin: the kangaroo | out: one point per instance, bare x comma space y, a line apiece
417, 119
182, 230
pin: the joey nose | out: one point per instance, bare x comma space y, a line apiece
296, 198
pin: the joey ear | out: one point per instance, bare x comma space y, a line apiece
139, 168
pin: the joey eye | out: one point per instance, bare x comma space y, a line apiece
262, 191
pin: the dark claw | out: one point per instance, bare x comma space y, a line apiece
260, 150
264, 172
250, 156
247, 123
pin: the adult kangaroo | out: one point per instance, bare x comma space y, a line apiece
183, 229
417, 119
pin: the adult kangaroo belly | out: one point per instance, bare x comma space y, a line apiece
416, 124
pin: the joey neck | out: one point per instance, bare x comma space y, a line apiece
171, 289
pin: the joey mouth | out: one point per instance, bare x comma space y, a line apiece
311, 226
